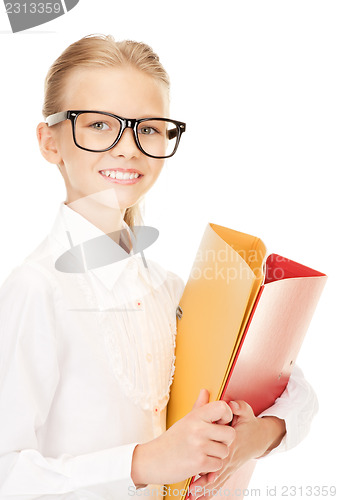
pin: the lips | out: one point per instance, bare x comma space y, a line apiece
123, 170
115, 176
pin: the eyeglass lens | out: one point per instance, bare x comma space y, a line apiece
97, 132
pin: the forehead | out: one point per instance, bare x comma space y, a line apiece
123, 91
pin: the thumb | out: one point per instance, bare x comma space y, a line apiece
203, 399
241, 410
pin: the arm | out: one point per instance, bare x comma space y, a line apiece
192, 444
29, 377
279, 428
30, 369
296, 406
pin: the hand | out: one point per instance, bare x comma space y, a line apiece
254, 438
193, 444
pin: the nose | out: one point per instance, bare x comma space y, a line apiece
126, 146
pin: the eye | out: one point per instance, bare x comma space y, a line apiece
99, 126
147, 130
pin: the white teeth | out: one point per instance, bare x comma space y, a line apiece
117, 174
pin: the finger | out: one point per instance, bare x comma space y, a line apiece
217, 411
241, 409
205, 478
199, 483
197, 493
203, 398
222, 433
214, 488
212, 464
199, 487
217, 450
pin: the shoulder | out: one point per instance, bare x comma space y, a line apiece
27, 310
175, 285
37, 269
25, 280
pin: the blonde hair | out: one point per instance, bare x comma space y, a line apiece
95, 51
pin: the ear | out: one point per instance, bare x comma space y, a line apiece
47, 143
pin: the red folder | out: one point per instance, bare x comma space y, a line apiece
274, 333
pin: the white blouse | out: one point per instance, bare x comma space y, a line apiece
86, 364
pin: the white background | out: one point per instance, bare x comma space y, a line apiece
256, 82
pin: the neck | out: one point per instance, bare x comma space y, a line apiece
98, 209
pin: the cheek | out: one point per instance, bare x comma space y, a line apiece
156, 167
73, 157
77, 161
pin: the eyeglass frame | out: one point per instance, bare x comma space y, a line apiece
132, 123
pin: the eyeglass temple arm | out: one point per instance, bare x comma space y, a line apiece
174, 132
56, 118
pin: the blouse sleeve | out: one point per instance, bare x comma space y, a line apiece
297, 406
176, 287
29, 375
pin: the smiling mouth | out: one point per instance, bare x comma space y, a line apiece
122, 177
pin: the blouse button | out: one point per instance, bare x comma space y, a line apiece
138, 304
149, 357
156, 410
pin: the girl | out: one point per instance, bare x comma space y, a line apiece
88, 325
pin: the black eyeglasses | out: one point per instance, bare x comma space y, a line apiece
98, 131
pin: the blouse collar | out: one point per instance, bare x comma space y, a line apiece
92, 247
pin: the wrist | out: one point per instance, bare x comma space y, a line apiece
274, 430
137, 466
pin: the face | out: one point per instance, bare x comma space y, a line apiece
126, 92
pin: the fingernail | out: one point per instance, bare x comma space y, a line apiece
235, 405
